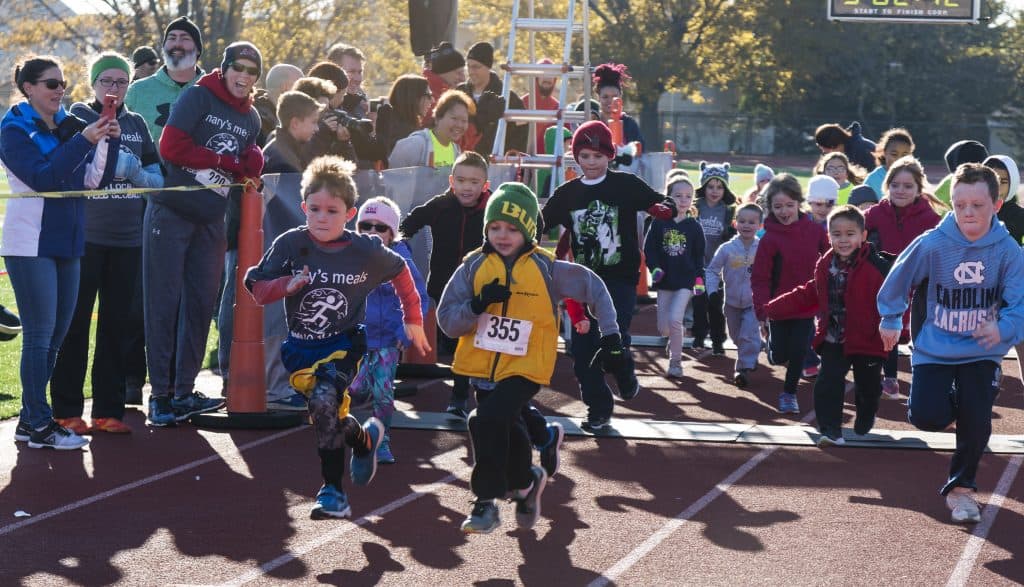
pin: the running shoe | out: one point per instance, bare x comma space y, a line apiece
549, 453
890, 388
110, 425
56, 437
330, 503
194, 403
483, 519
76, 425
964, 509
788, 403
363, 468
528, 505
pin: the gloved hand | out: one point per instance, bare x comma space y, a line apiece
623, 160
252, 162
610, 354
128, 165
665, 210
232, 165
490, 293
657, 274
698, 287
489, 108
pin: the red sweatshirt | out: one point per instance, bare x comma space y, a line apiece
786, 257
865, 279
892, 228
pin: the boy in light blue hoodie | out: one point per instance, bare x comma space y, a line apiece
975, 295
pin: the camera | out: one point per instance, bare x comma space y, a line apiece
360, 126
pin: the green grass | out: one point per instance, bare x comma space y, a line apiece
10, 352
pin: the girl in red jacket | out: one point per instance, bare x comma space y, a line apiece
785, 258
904, 213
846, 281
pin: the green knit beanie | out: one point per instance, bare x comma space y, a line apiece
516, 204
108, 61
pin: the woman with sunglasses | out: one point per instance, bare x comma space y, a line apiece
385, 333
111, 270
46, 149
209, 144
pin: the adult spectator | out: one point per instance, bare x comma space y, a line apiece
609, 79
542, 98
859, 150
145, 62
408, 105
152, 97
333, 136
45, 149
445, 70
110, 269
279, 79
209, 139
437, 146
350, 61
332, 72
485, 88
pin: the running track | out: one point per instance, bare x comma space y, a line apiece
185, 506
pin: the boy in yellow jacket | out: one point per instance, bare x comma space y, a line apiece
502, 305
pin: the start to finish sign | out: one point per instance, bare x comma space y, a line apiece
926, 11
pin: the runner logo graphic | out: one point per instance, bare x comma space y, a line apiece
320, 309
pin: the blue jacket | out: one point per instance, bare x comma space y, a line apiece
39, 159
967, 282
383, 322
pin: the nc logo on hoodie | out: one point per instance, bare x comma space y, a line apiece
969, 272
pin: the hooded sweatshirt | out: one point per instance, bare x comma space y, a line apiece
860, 150
731, 267
959, 152
480, 135
967, 282
786, 257
677, 248
207, 121
152, 98
1011, 212
892, 228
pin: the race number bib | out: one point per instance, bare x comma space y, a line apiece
214, 177
500, 334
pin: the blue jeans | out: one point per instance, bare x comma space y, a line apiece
593, 389
46, 290
226, 313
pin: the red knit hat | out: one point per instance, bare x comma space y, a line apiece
593, 135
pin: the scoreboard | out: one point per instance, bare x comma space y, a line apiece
926, 11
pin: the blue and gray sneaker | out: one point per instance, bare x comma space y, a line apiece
384, 455
160, 411
788, 403
22, 432
363, 468
483, 519
528, 506
549, 452
296, 402
330, 503
194, 403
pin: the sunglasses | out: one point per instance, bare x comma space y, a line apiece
52, 84
253, 71
371, 226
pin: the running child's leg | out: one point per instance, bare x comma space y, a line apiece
748, 339
829, 388
716, 320
497, 470
975, 388
594, 391
868, 388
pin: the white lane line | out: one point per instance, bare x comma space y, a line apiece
988, 516
444, 461
675, 523
234, 456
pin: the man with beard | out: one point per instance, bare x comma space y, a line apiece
153, 96
544, 90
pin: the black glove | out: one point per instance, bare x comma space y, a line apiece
623, 160
491, 293
610, 354
489, 108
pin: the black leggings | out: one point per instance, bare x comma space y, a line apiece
787, 344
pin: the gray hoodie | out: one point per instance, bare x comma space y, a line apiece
732, 264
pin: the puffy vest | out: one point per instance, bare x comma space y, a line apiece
531, 300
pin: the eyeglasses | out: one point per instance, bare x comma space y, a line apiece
372, 226
831, 169
108, 83
52, 84
253, 71
152, 62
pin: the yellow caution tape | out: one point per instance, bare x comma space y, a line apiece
117, 192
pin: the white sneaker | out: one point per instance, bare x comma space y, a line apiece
675, 369
965, 509
56, 437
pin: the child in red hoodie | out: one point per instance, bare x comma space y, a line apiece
846, 281
905, 213
785, 258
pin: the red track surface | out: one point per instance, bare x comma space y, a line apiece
200, 507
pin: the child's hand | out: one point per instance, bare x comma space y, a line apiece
417, 338
582, 327
890, 337
698, 287
299, 281
657, 274
987, 334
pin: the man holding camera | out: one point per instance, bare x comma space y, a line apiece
484, 86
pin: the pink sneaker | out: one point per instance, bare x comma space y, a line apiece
890, 388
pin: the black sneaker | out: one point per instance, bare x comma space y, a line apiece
739, 378
595, 425
194, 403
22, 432
629, 387
10, 324
549, 458
718, 350
56, 437
863, 423
458, 407
528, 506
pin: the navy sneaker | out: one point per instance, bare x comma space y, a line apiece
788, 403
549, 452
483, 519
296, 402
384, 454
160, 411
194, 403
458, 407
365, 467
22, 432
528, 506
330, 503
592, 424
